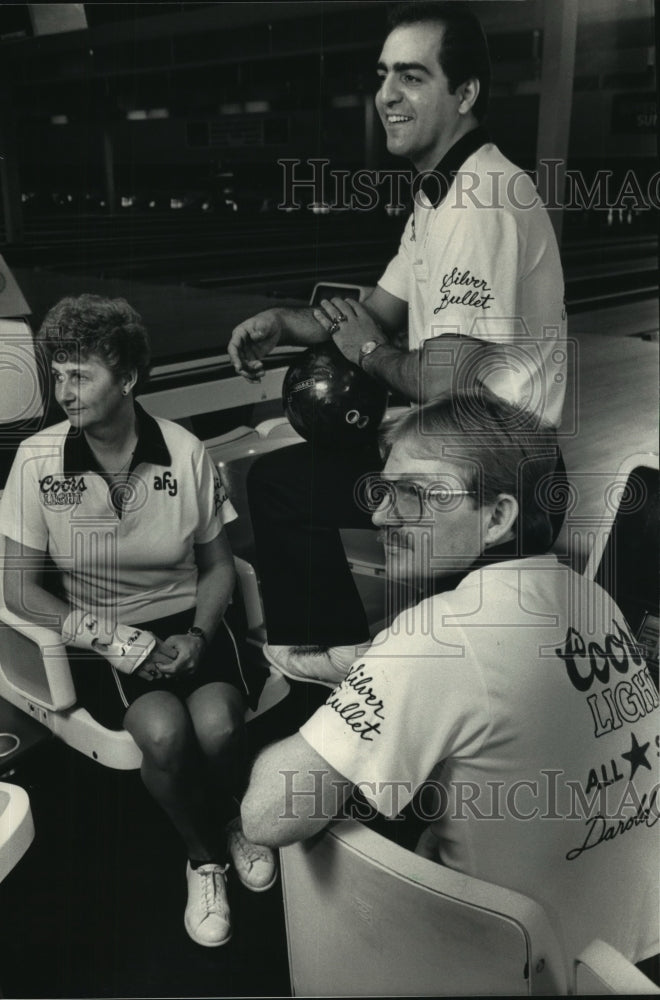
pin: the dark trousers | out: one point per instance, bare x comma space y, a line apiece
299, 499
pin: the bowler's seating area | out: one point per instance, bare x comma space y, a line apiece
34, 669
35, 676
366, 917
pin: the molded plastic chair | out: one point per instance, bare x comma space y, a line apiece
233, 455
241, 435
16, 826
365, 917
601, 970
35, 677
209, 385
278, 427
332, 289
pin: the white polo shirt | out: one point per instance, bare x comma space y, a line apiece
126, 551
522, 701
485, 263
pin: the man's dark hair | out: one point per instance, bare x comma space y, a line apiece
464, 49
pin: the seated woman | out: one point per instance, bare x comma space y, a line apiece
131, 511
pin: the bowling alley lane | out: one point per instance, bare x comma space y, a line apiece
612, 393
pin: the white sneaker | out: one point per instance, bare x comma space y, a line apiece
319, 665
207, 916
255, 864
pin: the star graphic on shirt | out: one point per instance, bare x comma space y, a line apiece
636, 756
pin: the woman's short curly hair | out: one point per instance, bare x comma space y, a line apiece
88, 325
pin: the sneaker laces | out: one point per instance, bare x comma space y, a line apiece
251, 852
212, 888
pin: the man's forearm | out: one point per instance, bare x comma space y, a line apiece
299, 326
293, 794
439, 366
399, 370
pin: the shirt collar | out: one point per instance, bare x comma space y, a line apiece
436, 183
78, 456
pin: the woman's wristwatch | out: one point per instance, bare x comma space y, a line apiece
197, 633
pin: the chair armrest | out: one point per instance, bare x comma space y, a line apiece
601, 969
247, 581
16, 826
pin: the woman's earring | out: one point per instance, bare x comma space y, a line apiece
124, 392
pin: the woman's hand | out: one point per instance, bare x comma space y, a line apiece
188, 650
161, 656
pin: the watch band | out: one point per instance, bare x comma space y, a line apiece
198, 633
366, 349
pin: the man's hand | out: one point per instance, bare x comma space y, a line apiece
350, 325
252, 340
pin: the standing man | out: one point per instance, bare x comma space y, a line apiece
477, 282
499, 699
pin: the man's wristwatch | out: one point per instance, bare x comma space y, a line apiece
198, 633
367, 348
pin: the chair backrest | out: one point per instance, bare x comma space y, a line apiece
233, 456
365, 917
278, 427
33, 662
21, 390
12, 302
624, 555
331, 289
191, 389
603, 971
39, 671
238, 438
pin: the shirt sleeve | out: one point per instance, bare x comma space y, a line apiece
396, 276
21, 512
399, 712
474, 273
215, 507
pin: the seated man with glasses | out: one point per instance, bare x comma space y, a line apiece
507, 703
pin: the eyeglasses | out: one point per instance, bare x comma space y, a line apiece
409, 499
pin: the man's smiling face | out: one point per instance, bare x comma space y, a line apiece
420, 116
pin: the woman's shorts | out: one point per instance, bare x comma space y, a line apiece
106, 693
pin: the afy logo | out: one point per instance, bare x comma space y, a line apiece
166, 482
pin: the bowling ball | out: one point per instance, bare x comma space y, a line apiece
331, 402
